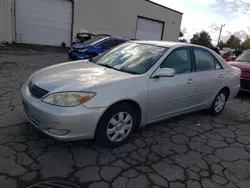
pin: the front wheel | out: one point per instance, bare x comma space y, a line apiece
219, 103
116, 125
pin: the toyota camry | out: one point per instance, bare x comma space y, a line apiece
109, 97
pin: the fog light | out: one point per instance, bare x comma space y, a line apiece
59, 132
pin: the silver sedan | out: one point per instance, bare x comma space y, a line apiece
135, 84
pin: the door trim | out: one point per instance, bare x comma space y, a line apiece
160, 118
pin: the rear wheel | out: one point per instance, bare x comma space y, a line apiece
116, 125
219, 103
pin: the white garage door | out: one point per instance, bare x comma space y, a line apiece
148, 29
46, 22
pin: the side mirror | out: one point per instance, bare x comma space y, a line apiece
164, 72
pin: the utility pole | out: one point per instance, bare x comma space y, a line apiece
220, 34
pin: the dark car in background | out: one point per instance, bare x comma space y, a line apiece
94, 47
243, 62
229, 56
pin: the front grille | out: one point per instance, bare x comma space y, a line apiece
245, 84
37, 92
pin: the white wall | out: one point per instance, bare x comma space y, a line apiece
119, 17
116, 17
5, 21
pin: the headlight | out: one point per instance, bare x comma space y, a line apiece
82, 50
68, 99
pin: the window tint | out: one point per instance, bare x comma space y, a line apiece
179, 60
108, 44
119, 42
205, 61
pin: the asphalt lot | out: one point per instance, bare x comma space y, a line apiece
191, 151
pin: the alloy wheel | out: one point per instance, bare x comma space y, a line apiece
119, 126
220, 102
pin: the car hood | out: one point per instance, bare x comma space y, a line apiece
76, 76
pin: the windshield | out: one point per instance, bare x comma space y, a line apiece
93, 41
131, 57
245, 56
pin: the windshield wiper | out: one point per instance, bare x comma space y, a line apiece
107, 66
121, 70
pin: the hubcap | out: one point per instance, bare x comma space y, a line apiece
220, 102
119, 126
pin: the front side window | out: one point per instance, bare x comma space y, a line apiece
205, 61
179, 60
131, 57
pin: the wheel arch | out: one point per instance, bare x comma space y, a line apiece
227, 89
132, 103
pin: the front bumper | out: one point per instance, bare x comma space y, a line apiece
77, 122
245, 84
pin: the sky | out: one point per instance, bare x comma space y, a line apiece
209, 15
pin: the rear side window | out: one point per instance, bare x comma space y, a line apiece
205, 61
119, 42
108, 44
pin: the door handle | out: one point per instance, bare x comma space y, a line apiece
190, 81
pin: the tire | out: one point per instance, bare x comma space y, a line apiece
219, 103
116, 125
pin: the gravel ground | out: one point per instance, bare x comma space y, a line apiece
191, 151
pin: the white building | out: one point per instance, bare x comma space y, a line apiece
50, 22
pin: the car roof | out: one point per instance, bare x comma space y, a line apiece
167, 44
112, 37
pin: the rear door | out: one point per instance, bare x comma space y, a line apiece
209, 76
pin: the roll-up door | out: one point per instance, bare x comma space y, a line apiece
46, 22
148, 29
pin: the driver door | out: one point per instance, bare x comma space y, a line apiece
172, 95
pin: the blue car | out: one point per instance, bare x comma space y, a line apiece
93, 47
